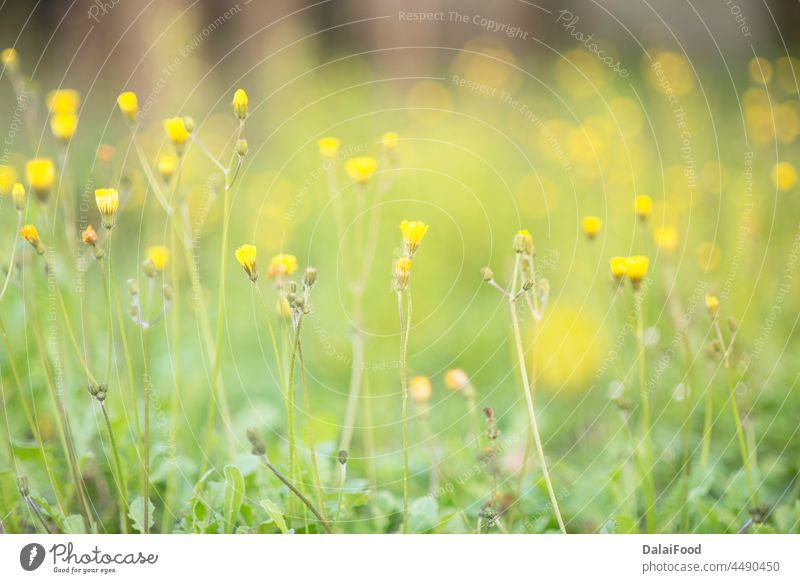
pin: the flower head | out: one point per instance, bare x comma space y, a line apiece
420, 389
63, 126
246, 256
158, 257
167, 164
89, 236
784, 176
666, 238
455, 379
41, 174
63, 101
643, 205
361, 169
328, 147
281, 266
402, 273
636, 269
10, 59
8, 176
31, 235
18, 196
390, 140
107, 200
619, 267
413, 232
591, 226
176, 131
240, 104
282, 308
523, 242
129, 105
712, 304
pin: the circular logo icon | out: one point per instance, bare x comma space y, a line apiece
31, 556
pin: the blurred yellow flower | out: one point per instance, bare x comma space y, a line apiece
413, 232
643, 205
619, 266
636, 269
63, 101
10, 59
708, 256
760, 70
89, 236
784, 176
361, 169
591, 226
282, 265
390, 140
666, 238
18, 196
8, 176
40, 174
402, 272
158, 256
129, 105
670, 72
328, 147
240, 104
420, 389
246, 256
63, 126
712, 304
523, 242
107, 200
31, 235
455, 378
176, 131
786, 69
167, 164
282, 308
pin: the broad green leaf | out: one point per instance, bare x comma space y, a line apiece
136, 514
234, 495
73, 524
275, 514
423, 515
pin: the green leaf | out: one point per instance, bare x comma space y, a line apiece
136, 514
275, 514
423, 515
234, 495
73, 524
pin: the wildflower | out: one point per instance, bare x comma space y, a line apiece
18, 196
106, 153
390, 140
281, 266
63, 126
591, 226
246, 256
31, 235
643, 205
402, 273
41, 173
760, 70
361, 169
241, 147
310, 277
107, 200
784, 176
167, 164
328, 147
240, 104
636, 269
282, 308
420, 389
455, 378
176, 132
89, 236
712, 304
158, 256
523, 242
8, 176
10, 59
666, 238
413, 233
129, 105
487, 274
619, 267
63, 101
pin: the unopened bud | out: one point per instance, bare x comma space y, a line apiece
242, 147
487, 274
310, 276
258, 444
189, 124
342, 457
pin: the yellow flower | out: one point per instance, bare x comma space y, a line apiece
402, 273
31, 235
129, 105
420, 389
712, 304
10, 59
8, 176
176, 131
89, 236
281, 266
282, 308
40, 173
240, 104
246, 256
328, 147
167, 164
158, 256
413, 233
63, 126
619, 266
455, 378
107, 200
18, 195
591, 226
643, 205
636, 269
523, 242
760, 70
666, 238
361, 169
63, 101
784, 176
390, 140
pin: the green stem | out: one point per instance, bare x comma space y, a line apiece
404, 397
120, 478
648, 490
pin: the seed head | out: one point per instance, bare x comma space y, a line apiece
255, 440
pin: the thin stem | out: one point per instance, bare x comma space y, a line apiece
340, 497
13, 252
120, 478
311, 446
404, 397
648, 490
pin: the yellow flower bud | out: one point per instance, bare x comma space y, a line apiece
41, 174
246, 256
129, 105
176, 132
523, 242
619, 266
240, 104
591, 226
107, 200
167, 164
643, 205
666, 238
31, 235
361, 169
402, 273
158, 256
455, 379
89, 236
390, 140
420, 389
328, 147
18, 195
63, 101
413, 232
712, 304
636, 269
63, 126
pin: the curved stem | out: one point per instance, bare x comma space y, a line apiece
13, 253
648, 488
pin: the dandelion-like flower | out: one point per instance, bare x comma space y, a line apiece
41, 174
591, 226
31, 235
63, 126
281, 266
246, 256
619, 267
636, 269
129, 105
523, 242
413, 232
89, 236
107, 200
328, 147
240, 104
18, 196
419, 387
158, 257
361, 169
176, 132
712, 304
63, 101
455, 379
389, 140
643, 206
666, 238
167, 164
402, 273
